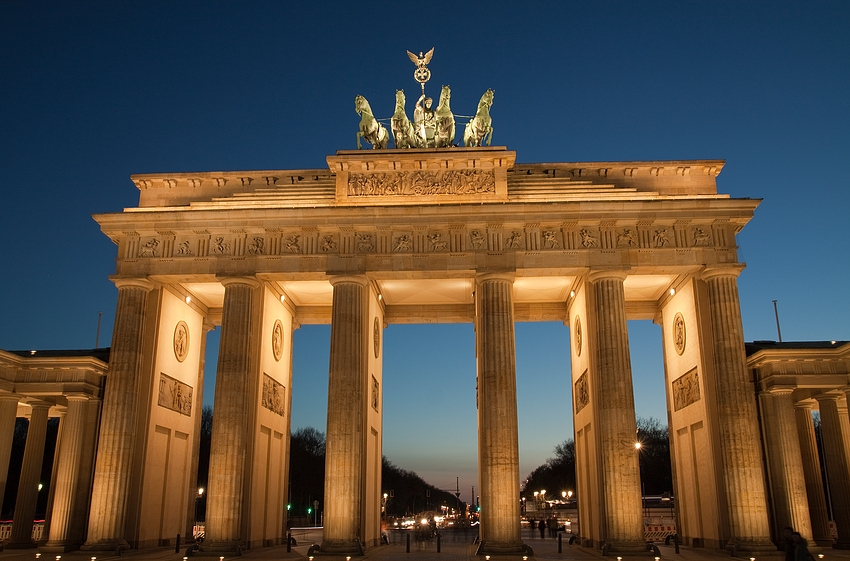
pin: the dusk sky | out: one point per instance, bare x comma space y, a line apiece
91, 92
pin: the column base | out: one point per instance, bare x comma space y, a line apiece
621, 549
339, 548
754, 549
503, 548
58, 547
106, 545
214, 549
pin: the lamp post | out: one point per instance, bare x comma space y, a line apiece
198, 512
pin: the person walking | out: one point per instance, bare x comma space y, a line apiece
533, 525
552, 524
542, 527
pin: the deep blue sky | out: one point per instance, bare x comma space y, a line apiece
91, 92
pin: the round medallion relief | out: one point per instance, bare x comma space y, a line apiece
277, 340
376, 339
181, 341
679, 333
577, 330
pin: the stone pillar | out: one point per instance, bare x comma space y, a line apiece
837, 468
785, 463
118, 428
615, 403
67, 481
737, 423
30, 474
812, 474
498, 439
345, 445
230, 424
8, 414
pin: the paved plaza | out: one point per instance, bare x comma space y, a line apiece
452, 548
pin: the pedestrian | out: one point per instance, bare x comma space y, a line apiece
533, 525
787, 532
552, 524
801, 548
542, 527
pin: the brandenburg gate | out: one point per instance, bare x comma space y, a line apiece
422, 235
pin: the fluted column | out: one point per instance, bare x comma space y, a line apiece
812, 474
345, 444
837, 468
118, 429
30, 474
498, 433
67, 479
736, 419
615, 405
788, 486
8, 414
230, 424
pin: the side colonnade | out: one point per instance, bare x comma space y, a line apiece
38, 386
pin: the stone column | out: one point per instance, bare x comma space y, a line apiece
837, 468
788, 486
498, 434
8, 414
117, 441
230, 424
615, 405
736, 419
67, 479
812, 474
345, 445
30, 474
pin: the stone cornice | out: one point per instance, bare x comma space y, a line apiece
460, 175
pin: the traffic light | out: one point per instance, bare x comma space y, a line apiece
288, 507
309, 510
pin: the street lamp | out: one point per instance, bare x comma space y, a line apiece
198, 512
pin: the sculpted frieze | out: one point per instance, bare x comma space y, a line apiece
257, 246
185, 249
582, 394
401, 239
686, 390
273, 395
413, 183
175, 395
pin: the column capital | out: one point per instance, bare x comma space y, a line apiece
248, 281
355, 279
724, 271
778, 390
40, 405
600, 274
507, 276
132, 282
10, 397
806, 404
824, 397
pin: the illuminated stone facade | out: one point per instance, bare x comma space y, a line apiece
416, 236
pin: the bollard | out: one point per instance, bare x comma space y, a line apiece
676, 542
177, 545
289, 542
408, 543
560, 545
438, 542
